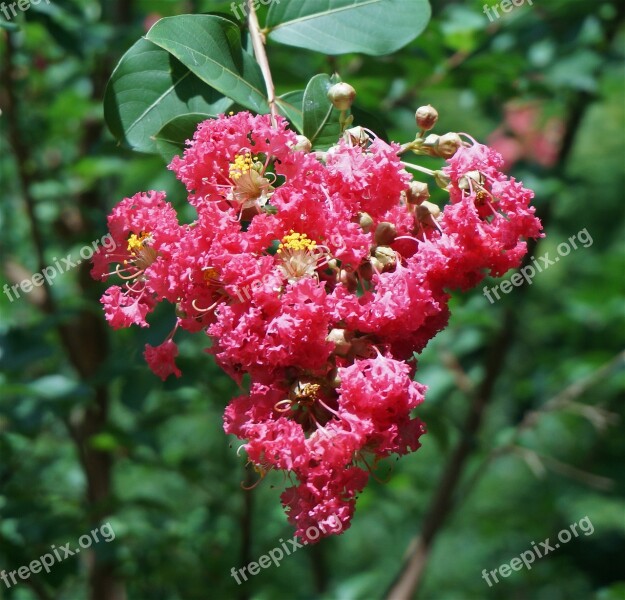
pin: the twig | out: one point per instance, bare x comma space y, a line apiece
408, 579
258, 43
21, 153
535, 460
564, 400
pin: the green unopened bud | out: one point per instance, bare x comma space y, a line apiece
426, 117
342, 95
448, 145
427, 210
417, 192
385, 234
365, 221
386, 257
442, 181
302, 144
341, 338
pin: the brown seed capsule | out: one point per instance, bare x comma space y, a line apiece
417, 192
426, 117
385, 234
342, 95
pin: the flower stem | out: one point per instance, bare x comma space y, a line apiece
258, 43
419, 168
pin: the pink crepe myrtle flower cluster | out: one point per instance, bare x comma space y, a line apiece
319, 275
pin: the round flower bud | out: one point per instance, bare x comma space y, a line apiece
376, 265
341, 338
426, 210
448, 145
442, 180
342, 95
385, 234
386, 257
426, 117
302, 145
365, 221
417, 192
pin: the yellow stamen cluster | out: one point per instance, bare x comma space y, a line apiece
211, 276
243, 164
307, 390
296, 242
136, 242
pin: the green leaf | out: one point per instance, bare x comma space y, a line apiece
321, 119
170, 140
210, 47
372, 27
290, 106
149, 88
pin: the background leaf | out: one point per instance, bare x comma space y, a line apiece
148, 89
372, 27
321, 119
211, 48
290, 106
170, 140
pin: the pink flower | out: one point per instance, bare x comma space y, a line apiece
161, 359
283, 270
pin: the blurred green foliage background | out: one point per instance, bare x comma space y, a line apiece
89, 435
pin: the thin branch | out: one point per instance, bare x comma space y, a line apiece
258, 43
21, 153
564, 400
409, 577
539, 463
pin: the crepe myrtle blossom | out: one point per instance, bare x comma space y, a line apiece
318, 275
